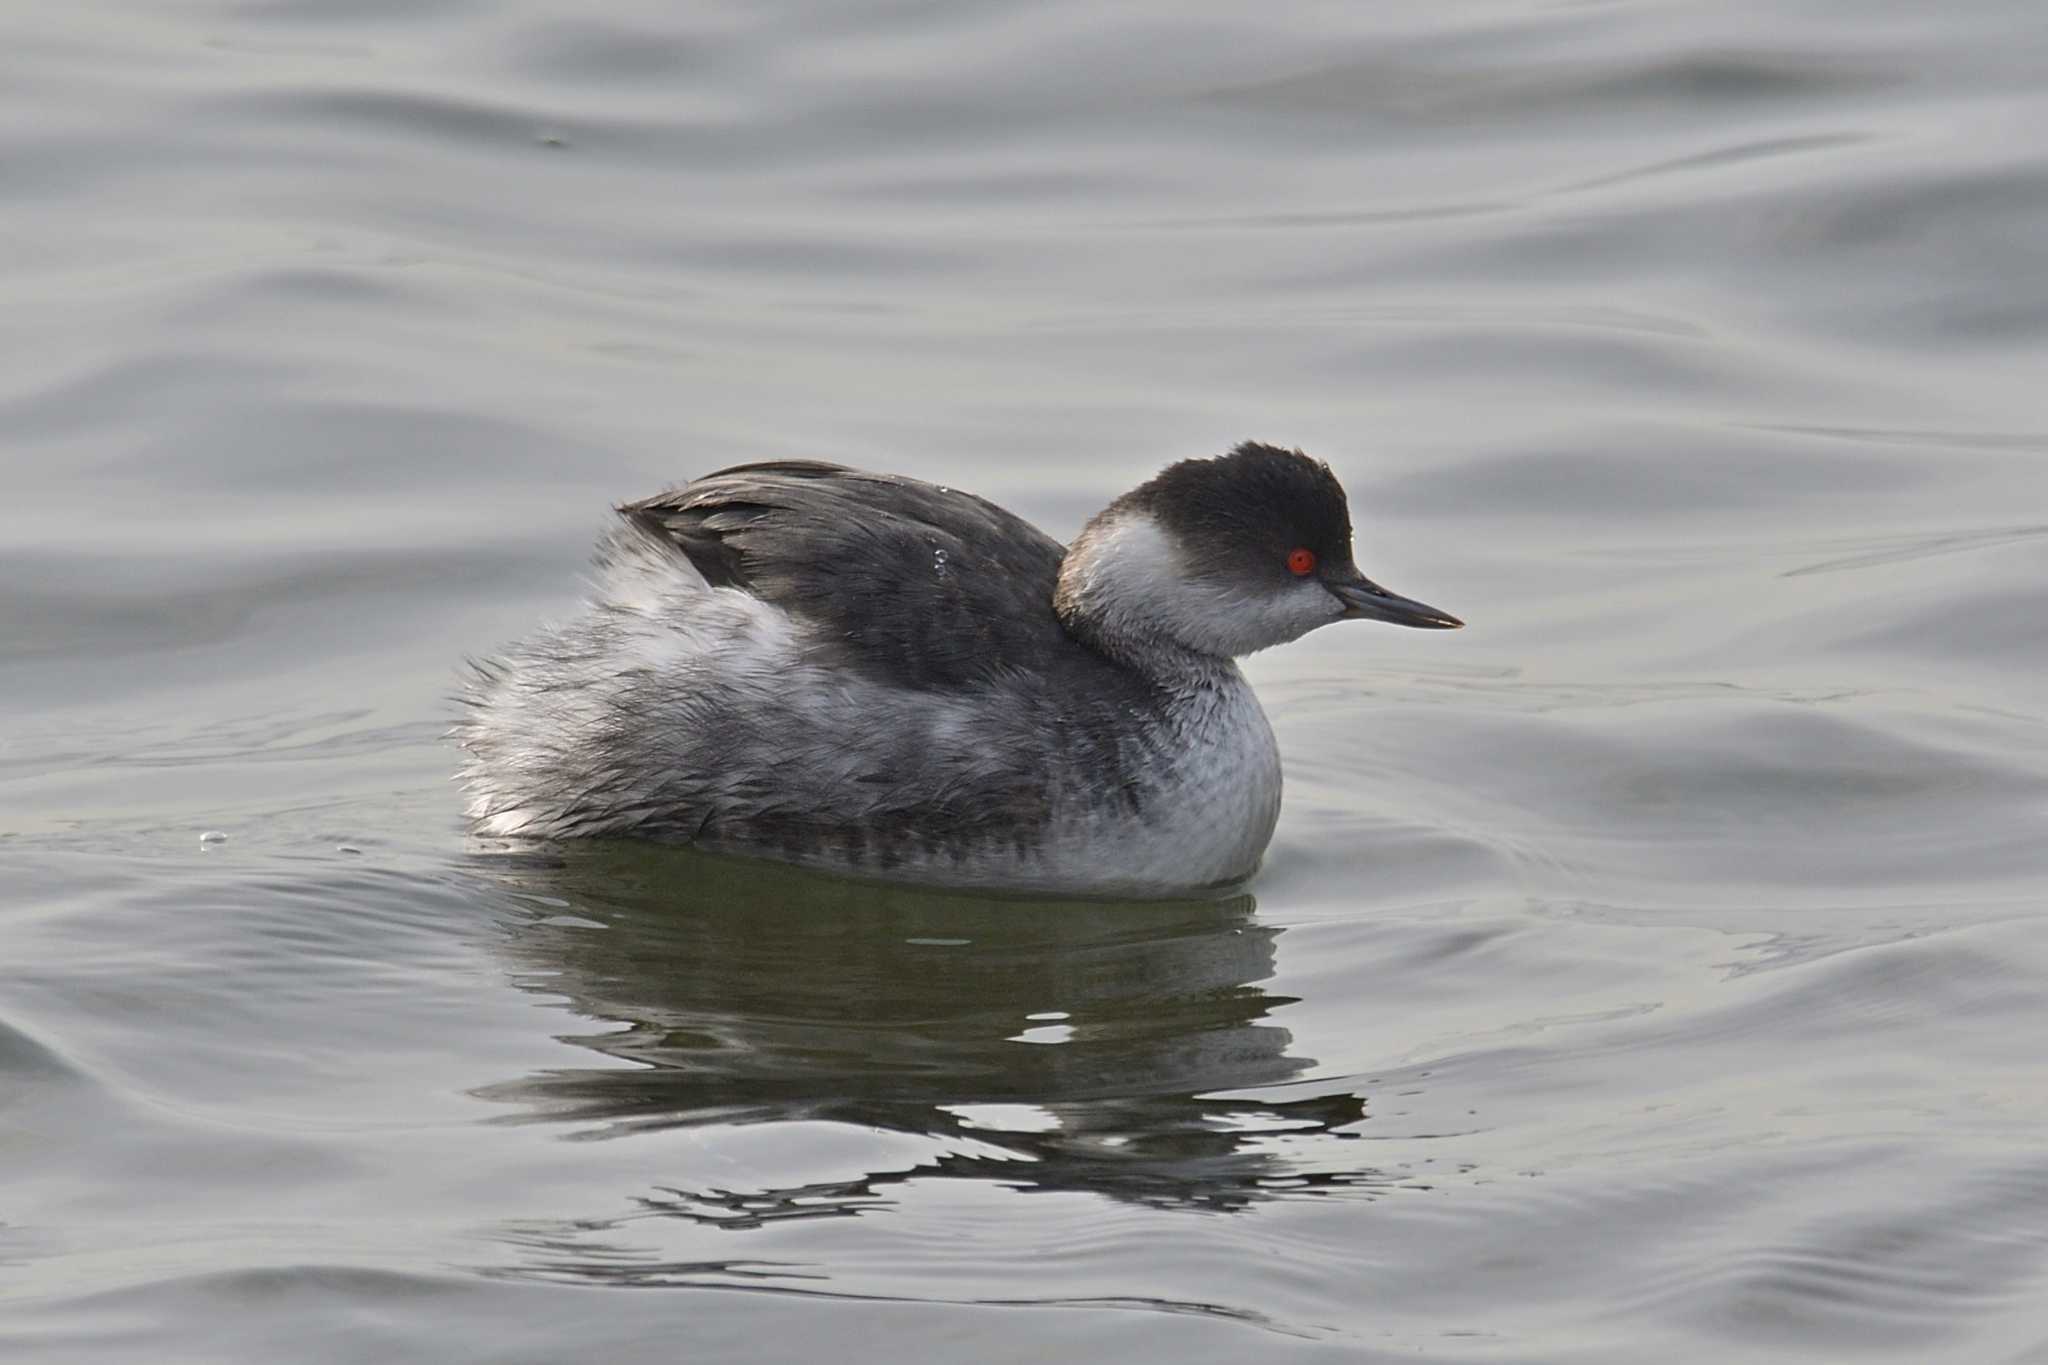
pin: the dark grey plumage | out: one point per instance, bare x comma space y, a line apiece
912, 584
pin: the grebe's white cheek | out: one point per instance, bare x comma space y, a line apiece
1133, 578
1303, 606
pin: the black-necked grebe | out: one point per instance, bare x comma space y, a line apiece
888, 678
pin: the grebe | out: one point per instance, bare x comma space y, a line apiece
893, 679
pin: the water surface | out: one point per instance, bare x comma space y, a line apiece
1655, 969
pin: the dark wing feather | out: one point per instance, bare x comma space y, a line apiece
916, 585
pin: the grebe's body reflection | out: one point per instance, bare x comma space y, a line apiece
1097, 1042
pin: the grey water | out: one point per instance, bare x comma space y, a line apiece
1656, 969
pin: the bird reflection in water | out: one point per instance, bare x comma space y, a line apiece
1096, 1042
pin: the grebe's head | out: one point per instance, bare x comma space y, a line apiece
1223, 557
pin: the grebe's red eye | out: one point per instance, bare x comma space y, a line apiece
1302, 560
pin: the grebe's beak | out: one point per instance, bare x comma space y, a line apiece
1365, 600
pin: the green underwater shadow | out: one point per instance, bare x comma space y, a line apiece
1054, 1045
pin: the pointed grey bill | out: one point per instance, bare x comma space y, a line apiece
1365, 600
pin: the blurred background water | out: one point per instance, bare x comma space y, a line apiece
1656, 969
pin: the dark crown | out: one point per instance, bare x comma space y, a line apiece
1258, 499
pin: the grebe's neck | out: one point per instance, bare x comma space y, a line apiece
1124, 592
